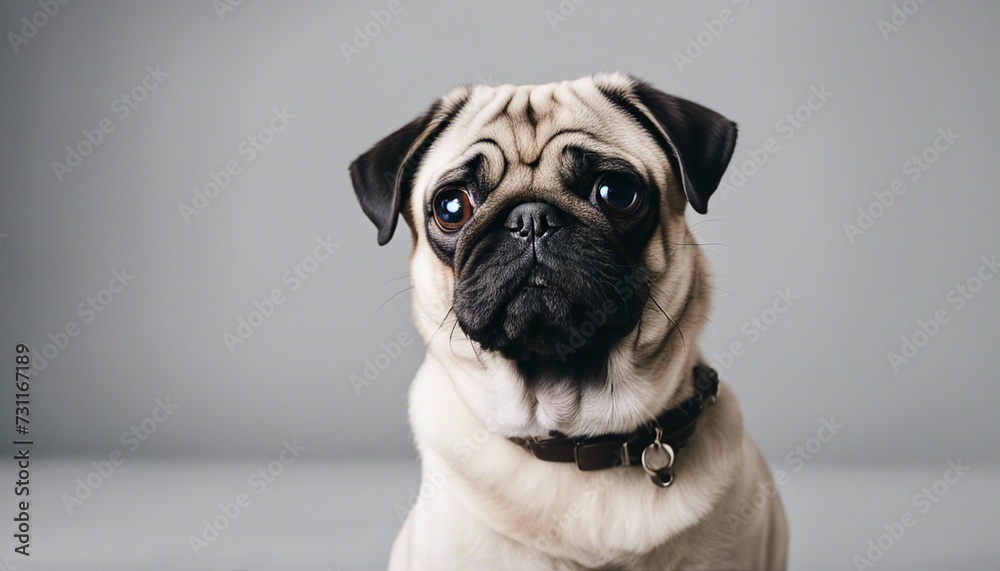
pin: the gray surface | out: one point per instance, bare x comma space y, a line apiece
163, 335
323, 515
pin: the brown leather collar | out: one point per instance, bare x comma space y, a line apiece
652, 446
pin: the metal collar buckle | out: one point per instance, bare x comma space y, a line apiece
657, 459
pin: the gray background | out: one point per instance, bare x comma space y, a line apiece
163, 336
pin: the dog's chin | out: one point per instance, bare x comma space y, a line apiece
537, 323
542, 323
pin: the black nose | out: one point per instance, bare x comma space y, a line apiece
535, 219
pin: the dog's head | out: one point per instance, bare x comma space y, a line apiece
546, 219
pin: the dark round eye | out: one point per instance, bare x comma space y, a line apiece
452, 208
618, 194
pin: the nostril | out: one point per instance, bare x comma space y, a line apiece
516, 223
552, 221
524, 227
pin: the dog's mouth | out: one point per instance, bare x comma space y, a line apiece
546, 313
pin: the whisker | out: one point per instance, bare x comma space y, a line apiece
442, 324
474, 350
649, 291
392, 296
696, 224
452, 335
700, 244
714, 253
732, 294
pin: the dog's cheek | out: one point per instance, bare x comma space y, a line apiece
433, 285
674, 201
656, 253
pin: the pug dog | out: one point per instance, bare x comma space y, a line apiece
563, 415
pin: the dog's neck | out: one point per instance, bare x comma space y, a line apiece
631, 392
666, 434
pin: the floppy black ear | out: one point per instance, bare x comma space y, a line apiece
701, 140
383, 176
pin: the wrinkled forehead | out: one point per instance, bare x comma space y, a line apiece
523, 132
